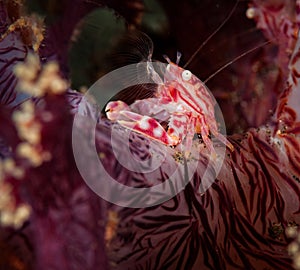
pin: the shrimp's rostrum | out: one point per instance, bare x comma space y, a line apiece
181, 100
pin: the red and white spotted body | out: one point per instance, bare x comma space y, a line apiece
181, 100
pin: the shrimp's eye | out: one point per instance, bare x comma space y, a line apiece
186, 75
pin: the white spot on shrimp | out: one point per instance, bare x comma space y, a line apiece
144, 124
157, 132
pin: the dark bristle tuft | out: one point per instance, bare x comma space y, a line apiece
133, 47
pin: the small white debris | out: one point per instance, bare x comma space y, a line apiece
251, 13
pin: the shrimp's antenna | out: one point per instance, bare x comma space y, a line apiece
236, 59
212, 34
178, 57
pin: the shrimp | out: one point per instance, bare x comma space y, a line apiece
182, 100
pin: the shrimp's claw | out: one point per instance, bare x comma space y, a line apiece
147, 126
114, 108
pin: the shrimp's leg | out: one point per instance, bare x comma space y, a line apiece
220, 137
147, 126
190, 132
154, 107
177, 125
182, 125
223, 139
204, 133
